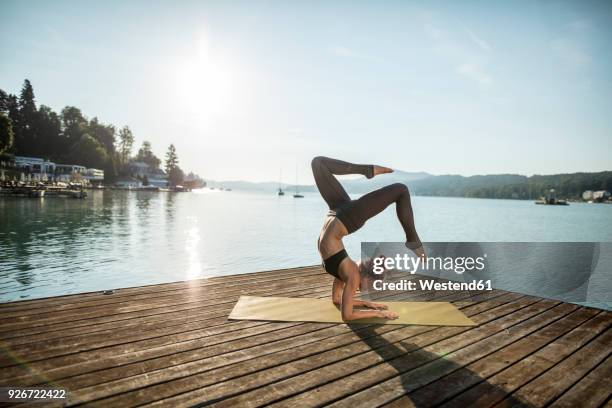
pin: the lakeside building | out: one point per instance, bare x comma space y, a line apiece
94, 175
68, 172
141, 171
39, 169
596, 196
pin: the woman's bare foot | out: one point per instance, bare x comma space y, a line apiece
420, 252
381, 170
417, 248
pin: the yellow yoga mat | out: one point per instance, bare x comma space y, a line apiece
285, 309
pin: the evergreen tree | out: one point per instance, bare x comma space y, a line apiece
4, 98
6, 126
90, 152
12, 108
74, 124
6, 133
171, 159
175, 174
25, 129
51, 143
126, 142
146, 155
105, 134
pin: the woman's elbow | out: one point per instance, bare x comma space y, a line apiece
348, 316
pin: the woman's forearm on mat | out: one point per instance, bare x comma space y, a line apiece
361, 314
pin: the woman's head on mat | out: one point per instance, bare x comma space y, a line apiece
347, 216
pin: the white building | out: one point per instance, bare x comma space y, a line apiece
38, 169
156, 177
94, 175
69, 172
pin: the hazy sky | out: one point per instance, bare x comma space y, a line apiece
244, 89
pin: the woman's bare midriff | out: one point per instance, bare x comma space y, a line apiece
330, 238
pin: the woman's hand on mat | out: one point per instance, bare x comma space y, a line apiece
381, 170
385, 314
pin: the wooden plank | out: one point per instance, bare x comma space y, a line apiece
76, 344
145, 322
51, 315
423, 363
233, 280
155, 346
120, 373
204, 299
590, 392
155, 288
554, 382
509, 379
170, 345
328, 373
574, 330
60, 325
269, 368
182, 329
149, 364
27, 335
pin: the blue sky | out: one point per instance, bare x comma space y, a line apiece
244, 89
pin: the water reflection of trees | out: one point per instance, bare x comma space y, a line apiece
42, 236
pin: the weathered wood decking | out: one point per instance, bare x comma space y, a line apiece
171, 345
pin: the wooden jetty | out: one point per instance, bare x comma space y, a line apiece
171, 345
41, 191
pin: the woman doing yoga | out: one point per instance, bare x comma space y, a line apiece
347, 216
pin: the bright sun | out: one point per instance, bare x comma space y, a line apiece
204, 85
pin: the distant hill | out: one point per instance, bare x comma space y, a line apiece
487, 186
569, 186
355, 186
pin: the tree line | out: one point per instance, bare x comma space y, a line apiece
569, 186
70, 137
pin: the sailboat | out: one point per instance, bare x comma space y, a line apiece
280, 188
297, 193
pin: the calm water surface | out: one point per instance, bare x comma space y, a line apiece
115, 239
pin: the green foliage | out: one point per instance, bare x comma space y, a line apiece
6, 133
74, 124
51, 143
90, 152
65, 138
105, 134
512, 186
146, 155
126, 142
171, 159
175, 174
4, 99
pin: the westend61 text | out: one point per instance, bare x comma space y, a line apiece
430, 284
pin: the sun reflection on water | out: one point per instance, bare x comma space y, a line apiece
194, 270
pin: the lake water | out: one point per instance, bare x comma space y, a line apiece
114, 239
